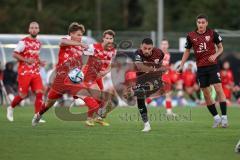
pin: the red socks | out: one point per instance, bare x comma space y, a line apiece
16, 101
93, 105
168, 104
38, 102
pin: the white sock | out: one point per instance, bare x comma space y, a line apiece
224, 117
169, 111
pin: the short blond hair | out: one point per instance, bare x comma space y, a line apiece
73, 27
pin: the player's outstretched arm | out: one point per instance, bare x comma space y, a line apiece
68, 42
184, 59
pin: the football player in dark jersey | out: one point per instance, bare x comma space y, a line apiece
148, 61
207, 46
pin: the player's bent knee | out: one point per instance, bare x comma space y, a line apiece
38, 91
22, 95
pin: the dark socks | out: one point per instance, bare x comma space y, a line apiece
212, 109
142, 109
223, 107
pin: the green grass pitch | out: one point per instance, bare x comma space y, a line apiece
187, 137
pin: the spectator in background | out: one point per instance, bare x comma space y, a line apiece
227, 81
10, 79
189, 82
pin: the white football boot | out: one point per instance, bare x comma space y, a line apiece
217, 121
147, 127
237, 148
10, 114
36, 119
224, 122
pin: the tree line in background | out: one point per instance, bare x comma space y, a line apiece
54, 16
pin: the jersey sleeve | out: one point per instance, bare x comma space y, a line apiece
161, 57
90, 50
137, 57
188, 44
20, 47
217, 38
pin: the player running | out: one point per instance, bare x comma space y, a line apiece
69, 58
98, 65
203, 41
27, 54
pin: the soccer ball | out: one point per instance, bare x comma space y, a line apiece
76, 75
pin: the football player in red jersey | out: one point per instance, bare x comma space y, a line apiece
203, 41
168, 76
98, 65
27, 54
70, 57
227, 81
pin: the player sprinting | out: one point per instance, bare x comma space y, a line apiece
70, 57
98, 65
203, 41
27, 54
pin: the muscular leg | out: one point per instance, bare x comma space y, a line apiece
17, 99
142, 109
209, 101
211, 106
221, 98
49, 103
38, 100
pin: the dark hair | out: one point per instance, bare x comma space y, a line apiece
147, 41
73, 27
110, 32
202, 16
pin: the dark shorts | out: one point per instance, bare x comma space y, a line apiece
147, 84
208, 75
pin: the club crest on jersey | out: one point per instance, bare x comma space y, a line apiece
207, 38
156, 61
